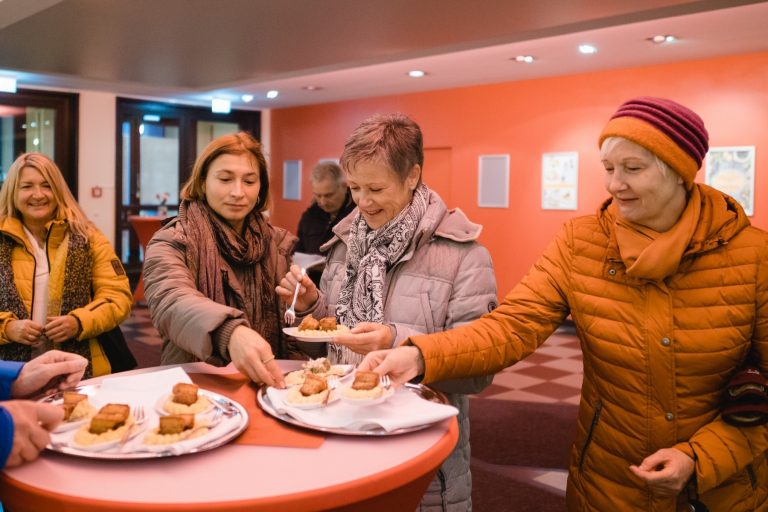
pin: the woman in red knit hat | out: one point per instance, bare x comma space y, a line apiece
667, 285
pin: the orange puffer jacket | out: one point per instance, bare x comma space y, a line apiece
657, 356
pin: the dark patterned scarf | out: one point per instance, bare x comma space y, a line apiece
214, 249
75, 293
370, 254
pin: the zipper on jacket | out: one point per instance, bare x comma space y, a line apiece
441, 476
595, 420
34, 272
752, 476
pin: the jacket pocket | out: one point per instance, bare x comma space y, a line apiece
426, 310
592, 427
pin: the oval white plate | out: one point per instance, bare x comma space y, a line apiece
161, 402
388, 392
343, 371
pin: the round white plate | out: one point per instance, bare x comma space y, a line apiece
342, 371
294, 332
161, 402
314, 405
100, 447
386, 393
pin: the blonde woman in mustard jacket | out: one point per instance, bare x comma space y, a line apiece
668, 288
62, 283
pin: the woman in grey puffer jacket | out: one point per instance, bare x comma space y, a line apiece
402, 264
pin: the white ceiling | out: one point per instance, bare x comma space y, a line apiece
191, 50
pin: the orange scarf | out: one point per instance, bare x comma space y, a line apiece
648, 254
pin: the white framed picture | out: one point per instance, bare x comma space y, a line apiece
292, 180
560, 180
493, 181
731, 169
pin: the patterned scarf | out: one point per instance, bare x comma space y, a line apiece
370, 254
214, 250
69, 288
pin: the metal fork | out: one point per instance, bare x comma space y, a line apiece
140, 418
290, 313
217, 417
333, 382
385, 382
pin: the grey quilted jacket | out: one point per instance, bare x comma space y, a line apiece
445, 279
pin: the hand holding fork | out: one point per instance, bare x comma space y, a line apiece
290, 313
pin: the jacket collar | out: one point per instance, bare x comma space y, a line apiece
438, 222
721, 219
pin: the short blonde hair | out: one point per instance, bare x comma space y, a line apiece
232, 144
66, 205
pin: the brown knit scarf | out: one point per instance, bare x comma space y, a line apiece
76, 293
215, 251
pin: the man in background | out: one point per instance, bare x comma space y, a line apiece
331, 203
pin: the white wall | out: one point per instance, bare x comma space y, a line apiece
96, 159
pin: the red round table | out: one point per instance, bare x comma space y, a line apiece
343, 473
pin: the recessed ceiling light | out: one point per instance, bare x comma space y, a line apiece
221, 106
663, 38
416, 73
247, 98
311, 87
587, 49
7, 84
272, 94
525, 58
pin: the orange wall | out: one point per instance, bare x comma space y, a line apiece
524, 120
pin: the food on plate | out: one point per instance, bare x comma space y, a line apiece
312, 391
328, 323
108, 424
76, 406
365, 385
185, 399
184, 393
309, 323
174, 428
320, 367
313, 328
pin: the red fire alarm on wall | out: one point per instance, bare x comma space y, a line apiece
96, 191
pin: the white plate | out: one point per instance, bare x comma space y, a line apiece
159, 405
343, 371
420, 390
314, 405
62, 442
66, 426
295, 333
386, 393
100, 447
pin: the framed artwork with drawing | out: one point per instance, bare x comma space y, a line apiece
732, 170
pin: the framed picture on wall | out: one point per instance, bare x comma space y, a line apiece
493, 181
559, 180
292, 180
732, 170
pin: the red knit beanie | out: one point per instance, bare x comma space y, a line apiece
674, 133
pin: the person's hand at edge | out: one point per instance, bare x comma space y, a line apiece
666, 472
401, 364
25, 332
61, 328
32, 423
252, 356
52, 371
366, 337
308, 293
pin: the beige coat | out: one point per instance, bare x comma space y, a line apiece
444, 280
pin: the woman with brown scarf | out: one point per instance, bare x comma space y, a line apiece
210, 273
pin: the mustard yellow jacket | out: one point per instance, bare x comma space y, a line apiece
657, 355
111, 298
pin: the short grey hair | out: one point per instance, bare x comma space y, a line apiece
328, 171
